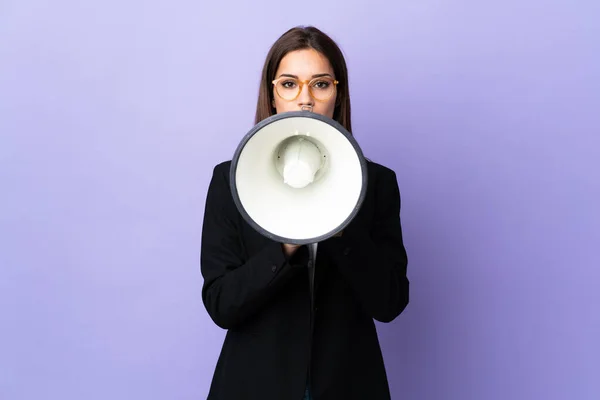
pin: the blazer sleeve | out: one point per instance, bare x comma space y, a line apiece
375, 263
237, 286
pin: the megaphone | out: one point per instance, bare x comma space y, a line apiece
299, 178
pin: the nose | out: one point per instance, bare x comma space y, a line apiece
305, 100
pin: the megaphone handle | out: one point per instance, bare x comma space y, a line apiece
312, 259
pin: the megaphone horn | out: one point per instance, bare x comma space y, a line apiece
298, 177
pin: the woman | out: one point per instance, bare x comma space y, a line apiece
258, 290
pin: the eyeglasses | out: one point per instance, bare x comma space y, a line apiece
321, 88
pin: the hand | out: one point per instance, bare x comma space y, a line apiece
290, 249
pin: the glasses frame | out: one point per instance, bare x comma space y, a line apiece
305, 82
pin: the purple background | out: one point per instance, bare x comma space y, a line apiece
112, 115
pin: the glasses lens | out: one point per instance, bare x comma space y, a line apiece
322, 88
287, 88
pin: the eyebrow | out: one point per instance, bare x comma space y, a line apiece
314, 76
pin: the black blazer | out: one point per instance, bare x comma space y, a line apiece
262, 299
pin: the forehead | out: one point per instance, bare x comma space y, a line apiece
304, 63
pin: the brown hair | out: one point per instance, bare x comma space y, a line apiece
300, 38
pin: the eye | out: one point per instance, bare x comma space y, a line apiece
321, 84
288, 84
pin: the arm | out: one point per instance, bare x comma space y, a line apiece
375, 263
236, 286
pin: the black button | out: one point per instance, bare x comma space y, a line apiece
347, 251
274, 268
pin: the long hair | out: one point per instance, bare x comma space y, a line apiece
301, 38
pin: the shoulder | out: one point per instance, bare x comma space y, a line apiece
219, 180
219, 199
380, 173
220, 174
383, 185
222, 168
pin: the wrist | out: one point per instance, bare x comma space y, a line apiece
289, 249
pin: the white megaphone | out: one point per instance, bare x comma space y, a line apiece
298, 178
